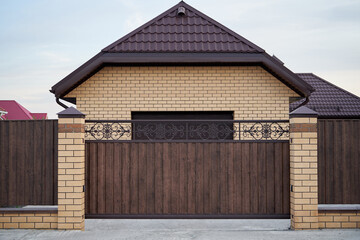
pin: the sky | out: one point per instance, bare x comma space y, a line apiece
42, 41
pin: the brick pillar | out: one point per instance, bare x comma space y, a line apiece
71, 170
303, 169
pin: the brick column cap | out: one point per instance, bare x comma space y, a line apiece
71, 112
303, 112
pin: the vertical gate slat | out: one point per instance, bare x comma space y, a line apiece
230, 172
92, 189
3, 161
262, 155
142, 168
55, 159
254, 193
246, 178
175, 160
125, 180
321, 161
118, 158
278, 171
31, 163
347, 156
270, 178
134, 175
101, 178
330, 161
167, 179
183, 178
87, 178
238, 177
12, 168
48, 160
191, 161
150, 178
286, 177
158, 183
206, 181
222, 183
199, 178
109, 177
337, 167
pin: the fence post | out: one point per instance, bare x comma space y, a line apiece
303, 169
71, 170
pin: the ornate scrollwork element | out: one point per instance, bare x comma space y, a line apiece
212, 131
265, 131
159, 131
107, 131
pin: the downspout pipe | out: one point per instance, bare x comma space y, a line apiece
303, 103
60, 103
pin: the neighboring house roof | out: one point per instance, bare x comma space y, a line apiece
328, 100
2, 113
18, 112
181, 39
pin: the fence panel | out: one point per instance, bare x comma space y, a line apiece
28, 162
339, 161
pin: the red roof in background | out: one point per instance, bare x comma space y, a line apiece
18, 112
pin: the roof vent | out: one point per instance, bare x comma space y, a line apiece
181, 11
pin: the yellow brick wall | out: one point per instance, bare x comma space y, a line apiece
341, 219
249, 91
28, 220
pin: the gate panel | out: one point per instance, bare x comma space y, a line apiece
195, 179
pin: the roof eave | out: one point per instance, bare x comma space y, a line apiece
94, 64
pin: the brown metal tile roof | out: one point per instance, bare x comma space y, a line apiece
190, 39
191, 32
329, 100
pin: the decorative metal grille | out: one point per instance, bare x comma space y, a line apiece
187, 130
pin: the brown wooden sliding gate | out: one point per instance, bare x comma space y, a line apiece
196, 179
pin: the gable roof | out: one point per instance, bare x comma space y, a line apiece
329, 100
16, 111
189, 39
191, 32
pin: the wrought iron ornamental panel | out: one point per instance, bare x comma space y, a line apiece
188, 130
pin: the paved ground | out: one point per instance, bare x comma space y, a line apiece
183, 229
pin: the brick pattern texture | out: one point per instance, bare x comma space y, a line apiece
71, 174
303, 173
249, 91
28, 220
340, 219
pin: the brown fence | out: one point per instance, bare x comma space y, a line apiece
187, 178
28, 162
339, 161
